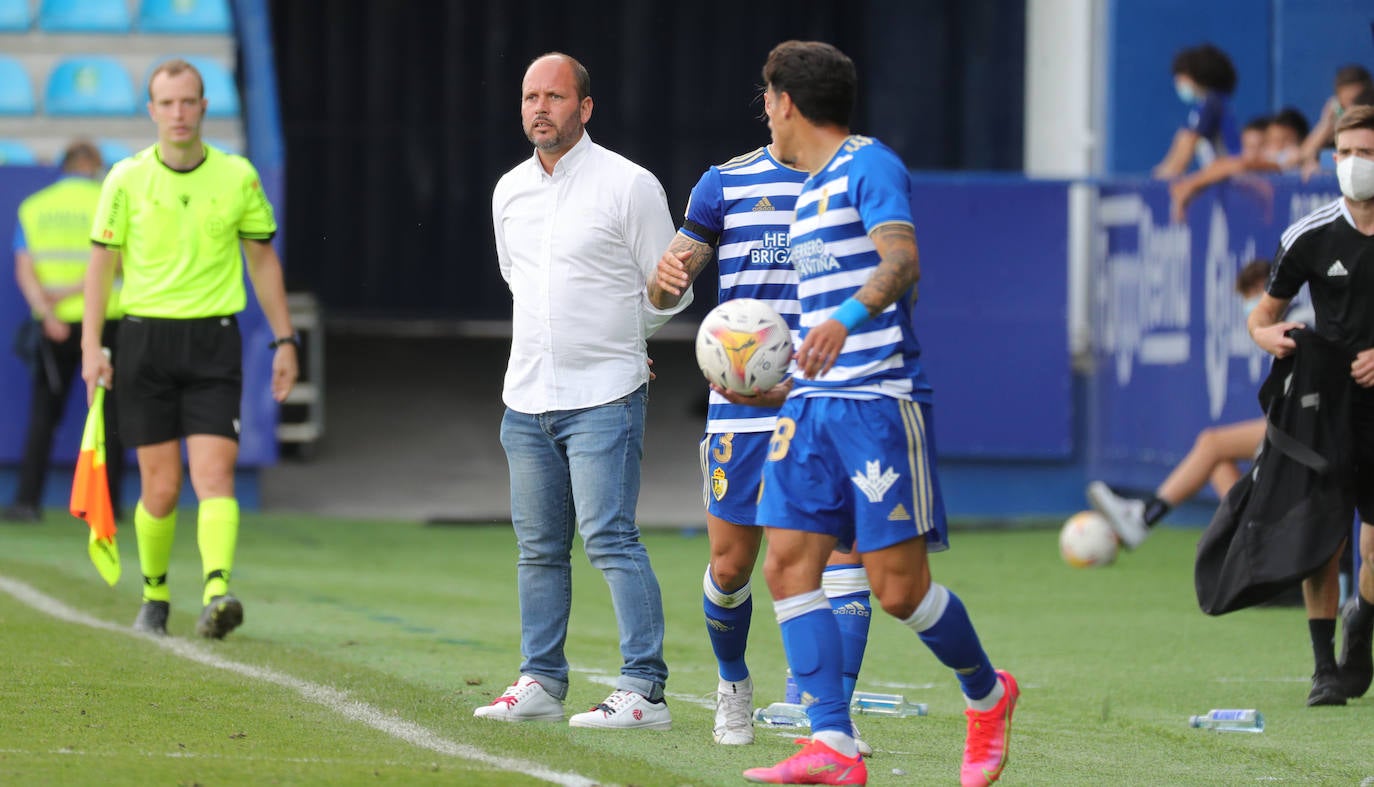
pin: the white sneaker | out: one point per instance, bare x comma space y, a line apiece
1124, 514
625, 710
524, 700
864, 748
734, 712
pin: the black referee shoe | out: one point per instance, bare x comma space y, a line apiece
152, 618
222, 615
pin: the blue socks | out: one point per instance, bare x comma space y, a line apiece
848, 591
944, 626
810, 637
727, 624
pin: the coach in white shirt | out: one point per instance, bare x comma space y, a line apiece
579, 230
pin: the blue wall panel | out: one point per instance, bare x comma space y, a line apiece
1171, 349
1311, 41
992, 316
1142, 112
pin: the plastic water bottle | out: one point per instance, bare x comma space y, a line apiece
1229, 720
872, 704
791, 691
782, 714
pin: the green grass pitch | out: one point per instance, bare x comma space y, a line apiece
367, 645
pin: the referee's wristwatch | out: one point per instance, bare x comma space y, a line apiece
293, 340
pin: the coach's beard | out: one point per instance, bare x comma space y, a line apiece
562, 139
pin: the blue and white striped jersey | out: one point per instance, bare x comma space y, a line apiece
863, 186
747, 204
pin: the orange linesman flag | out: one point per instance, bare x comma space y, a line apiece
91, 492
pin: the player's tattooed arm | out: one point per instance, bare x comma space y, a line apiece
677, 269
898, 270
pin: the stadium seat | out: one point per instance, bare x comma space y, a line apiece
84, 16
16, 94
185, 17
225, 147
93, 85
112, 150
220, 89
14, 16
12, 151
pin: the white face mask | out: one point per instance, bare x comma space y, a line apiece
1356, 176
1249, 304
1185, 92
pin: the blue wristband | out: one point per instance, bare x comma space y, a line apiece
851, 314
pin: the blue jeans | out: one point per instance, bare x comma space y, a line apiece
577, 471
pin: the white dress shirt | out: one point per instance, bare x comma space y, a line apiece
577, 248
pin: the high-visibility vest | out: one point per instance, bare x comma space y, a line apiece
57, 235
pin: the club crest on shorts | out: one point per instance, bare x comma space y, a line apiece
719, 483
875, 481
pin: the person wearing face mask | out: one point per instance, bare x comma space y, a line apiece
1204, 80
1214, 457
1267, 145
1331, 250
1351, 82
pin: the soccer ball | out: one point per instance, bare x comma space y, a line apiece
743, 345
1087, 540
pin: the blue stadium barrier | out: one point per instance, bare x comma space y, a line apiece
84, 16
16, 92
16, 153
220, 90
1019, 428
14, 16
185, 17
1172, 354
89, 85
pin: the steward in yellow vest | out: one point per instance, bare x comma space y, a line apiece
52, 248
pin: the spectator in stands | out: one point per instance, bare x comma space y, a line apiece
1278, 151
579, 230
1213, 458
1351, 80
51, 248
1204, 79
184, 217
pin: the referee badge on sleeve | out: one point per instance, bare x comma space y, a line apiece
719, 483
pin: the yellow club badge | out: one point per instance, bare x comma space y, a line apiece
719, 483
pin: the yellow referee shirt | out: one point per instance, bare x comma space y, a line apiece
179, 232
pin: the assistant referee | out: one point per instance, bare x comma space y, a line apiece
178, 213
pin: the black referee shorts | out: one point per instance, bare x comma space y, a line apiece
177, 378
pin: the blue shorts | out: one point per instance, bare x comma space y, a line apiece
862, 470
731, 469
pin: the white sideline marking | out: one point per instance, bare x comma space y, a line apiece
329, 697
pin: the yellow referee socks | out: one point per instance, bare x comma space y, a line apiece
155, 536
217, 533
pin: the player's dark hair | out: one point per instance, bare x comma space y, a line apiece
1207, 66
820, 79
1254, 274
171, 68
1357, 116
82, 155
580, 75
1353, 74
1260, 124
1365, 98
1291, 118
